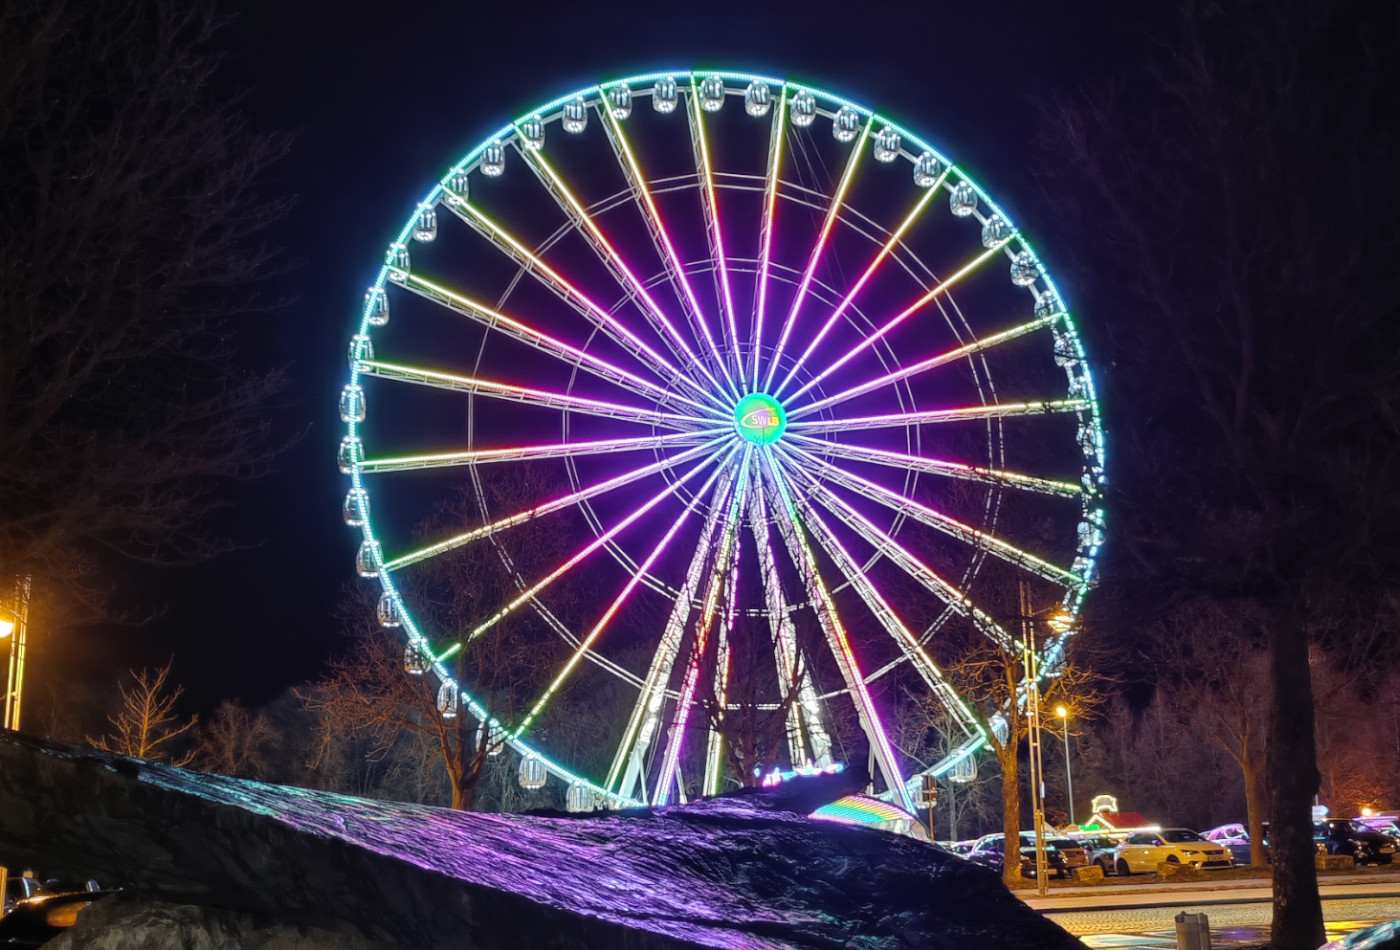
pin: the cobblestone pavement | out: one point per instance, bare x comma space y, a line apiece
1231, 925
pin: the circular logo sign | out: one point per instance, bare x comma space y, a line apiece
759, 418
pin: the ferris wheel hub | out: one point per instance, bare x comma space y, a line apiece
760, 418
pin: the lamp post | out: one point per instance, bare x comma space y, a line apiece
1063, 714
14, 625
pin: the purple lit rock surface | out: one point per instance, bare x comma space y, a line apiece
745, 872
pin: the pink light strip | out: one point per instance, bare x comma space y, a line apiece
590, 548
879, 334
494, 319
967, 349
716, 235
537, 160
942, 467
836, 634
770, 208
554, 450
617, 603
963, 414
535, 397
528, 514
827, 225
671, 761
874, 265
937, 519
581, 301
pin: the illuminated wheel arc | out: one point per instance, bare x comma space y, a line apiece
745, 365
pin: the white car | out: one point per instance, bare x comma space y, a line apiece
1145, 850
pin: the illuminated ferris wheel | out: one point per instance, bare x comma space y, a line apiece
812, 393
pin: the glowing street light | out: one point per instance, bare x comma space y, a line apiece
7, 623
1063, 714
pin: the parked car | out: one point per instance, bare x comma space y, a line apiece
37, 920
1235, 837
1099, 850
1346, 836
1385, 826
1145, 850
1062, 855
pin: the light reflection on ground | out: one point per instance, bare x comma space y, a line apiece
1231, 925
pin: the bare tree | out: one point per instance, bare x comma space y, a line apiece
147, 724
752, 718
988, 676
130, 223
379, 691
235, 742
1216, 671
1238, 225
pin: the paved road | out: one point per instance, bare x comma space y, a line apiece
1143, 915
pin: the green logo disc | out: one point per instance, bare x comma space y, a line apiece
759, 418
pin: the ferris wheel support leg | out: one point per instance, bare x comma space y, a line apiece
801, 553
646, 713
904, 638
675, 742
806, 735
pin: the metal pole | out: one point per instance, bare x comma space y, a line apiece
1029, 662
14, 682
1069, 778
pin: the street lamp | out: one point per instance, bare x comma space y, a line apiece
1063, 713
7, 623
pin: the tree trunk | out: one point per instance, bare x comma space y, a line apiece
1011, 815
1293, 777
1254, 810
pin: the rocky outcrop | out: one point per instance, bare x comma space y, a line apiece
747, 871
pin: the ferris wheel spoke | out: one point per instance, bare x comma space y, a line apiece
610, 257
837, 201
933, 362
494, 320
529, 514
661, 238
404, 463
591, 638
713, 232
603, 538
580, 302
880, 257
1001, 410
533, 397
776, 139
805, 729
939, 521
941, 467
629, 762
885, 615
871, 339
901, 557
675, 742
790, 528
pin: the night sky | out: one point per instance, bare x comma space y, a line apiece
385, 97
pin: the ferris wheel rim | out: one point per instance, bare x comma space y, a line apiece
687, 425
